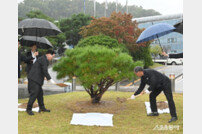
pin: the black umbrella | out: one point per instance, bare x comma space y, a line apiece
41, 42
37, 27
179, 27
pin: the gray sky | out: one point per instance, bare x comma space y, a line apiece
162, 6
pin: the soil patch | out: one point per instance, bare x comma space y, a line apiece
121, 100
24, 105
105, 106
162, 105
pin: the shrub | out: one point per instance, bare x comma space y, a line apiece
96, 67
102, 40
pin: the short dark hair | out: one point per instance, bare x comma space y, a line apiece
50, 52
137, 69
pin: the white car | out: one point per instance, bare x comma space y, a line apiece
170, 61
173, 59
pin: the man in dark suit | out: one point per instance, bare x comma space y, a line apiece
36, 76
158, 82
34, 54
22, 58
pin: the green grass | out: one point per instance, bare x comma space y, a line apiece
155, 65
131, 120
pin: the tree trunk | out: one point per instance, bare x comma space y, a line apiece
96, 98
97, 95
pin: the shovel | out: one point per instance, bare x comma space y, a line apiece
61, 84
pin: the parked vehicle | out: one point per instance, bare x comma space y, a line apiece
172, 59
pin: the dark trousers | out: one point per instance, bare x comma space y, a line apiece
36, 92
166, 88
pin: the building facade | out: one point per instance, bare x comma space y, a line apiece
172, 42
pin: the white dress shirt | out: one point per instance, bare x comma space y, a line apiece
33, 57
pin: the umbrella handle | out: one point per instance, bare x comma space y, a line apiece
159, 42
22, 29
158, 39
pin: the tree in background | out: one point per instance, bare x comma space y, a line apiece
96, 67
144, 54
71, 27
155, 50
102, 40
38, 14
20, 19
59, 9
121, 27
58, 43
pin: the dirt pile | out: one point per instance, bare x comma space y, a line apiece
162, 105
121, 100
105, 106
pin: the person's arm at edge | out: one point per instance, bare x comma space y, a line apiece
142, 85
45, 69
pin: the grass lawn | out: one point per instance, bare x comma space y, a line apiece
155, 65
131, 119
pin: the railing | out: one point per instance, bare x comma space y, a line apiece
118, 87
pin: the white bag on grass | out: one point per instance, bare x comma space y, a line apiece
91, 119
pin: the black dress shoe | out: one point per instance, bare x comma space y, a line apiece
30, 112
172, 119
153, 114
44, 110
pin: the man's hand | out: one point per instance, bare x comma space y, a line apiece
147, 91
132, 97
36, 53
52, 81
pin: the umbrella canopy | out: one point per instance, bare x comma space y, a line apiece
37, 27
41, 42
179, 27
155, 31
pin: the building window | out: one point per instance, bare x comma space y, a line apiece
155, 42
172, 40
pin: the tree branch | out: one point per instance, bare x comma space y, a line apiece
87, 91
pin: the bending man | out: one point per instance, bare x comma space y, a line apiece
158, 82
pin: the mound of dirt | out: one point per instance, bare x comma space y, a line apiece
105, 106
24, 105
121, 100
162, 105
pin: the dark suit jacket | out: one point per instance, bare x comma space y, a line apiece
29, 62
22, 58
154, 79
39, 70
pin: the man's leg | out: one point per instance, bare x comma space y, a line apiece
41, 102
29, 86
40, 99
34, 89
168, 93
152, 98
